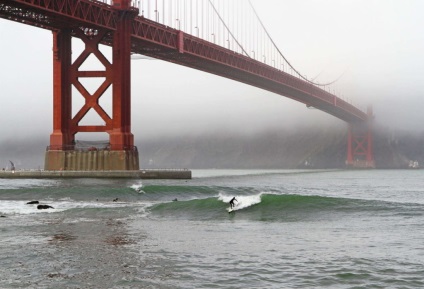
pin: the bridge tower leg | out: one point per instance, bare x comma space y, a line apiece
120, 153
359, 144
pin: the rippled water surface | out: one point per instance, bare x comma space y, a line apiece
290, 229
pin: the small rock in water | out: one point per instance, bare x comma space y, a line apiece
33, 202
42, 207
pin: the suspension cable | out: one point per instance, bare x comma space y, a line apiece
228, 29
281, 54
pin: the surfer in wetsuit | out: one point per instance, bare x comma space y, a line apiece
232, 202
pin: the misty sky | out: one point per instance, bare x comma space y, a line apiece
376, 44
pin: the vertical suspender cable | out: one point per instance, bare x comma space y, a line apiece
223, 23
288, 63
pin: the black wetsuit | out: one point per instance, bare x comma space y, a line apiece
232, 202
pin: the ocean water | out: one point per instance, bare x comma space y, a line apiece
290, 229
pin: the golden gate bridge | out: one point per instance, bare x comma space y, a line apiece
225, 38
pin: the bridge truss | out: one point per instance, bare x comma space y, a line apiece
120, 26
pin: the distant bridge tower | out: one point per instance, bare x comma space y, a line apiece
359, 144
120, 154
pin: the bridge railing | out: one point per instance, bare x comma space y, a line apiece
159, 34
204, 25
235, 27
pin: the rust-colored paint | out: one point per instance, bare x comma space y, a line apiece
162, 42
121, 137
92, 40
62, 98
119, 26
121, 4
359, 146
117, 74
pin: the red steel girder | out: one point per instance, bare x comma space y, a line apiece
359, 147
116, 74
155, 33
360, 144
61, 137
67, 75
91, 100
59, 13
159, 41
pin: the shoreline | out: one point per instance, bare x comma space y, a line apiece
137, 174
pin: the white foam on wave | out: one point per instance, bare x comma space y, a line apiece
242, 201
22, 208
138, 187
19, 208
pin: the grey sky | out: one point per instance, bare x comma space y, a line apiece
376, 44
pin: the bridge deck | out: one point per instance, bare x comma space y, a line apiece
159, 41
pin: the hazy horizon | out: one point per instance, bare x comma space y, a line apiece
376, 46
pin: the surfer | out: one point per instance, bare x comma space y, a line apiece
232, 202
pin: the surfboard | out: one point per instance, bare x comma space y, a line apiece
234, 208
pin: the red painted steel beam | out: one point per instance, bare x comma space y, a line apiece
162, 42
62, 137
60, 13
359, 147
158, 41
91, 41
121, 137
360, 144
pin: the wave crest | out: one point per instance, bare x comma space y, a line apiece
242, 202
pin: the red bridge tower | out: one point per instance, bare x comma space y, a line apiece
359, 144
120, 154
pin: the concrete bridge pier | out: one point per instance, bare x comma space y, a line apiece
121, 154
101, 160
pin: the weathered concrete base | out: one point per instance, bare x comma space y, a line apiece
360, 164
101, 160
139, 174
